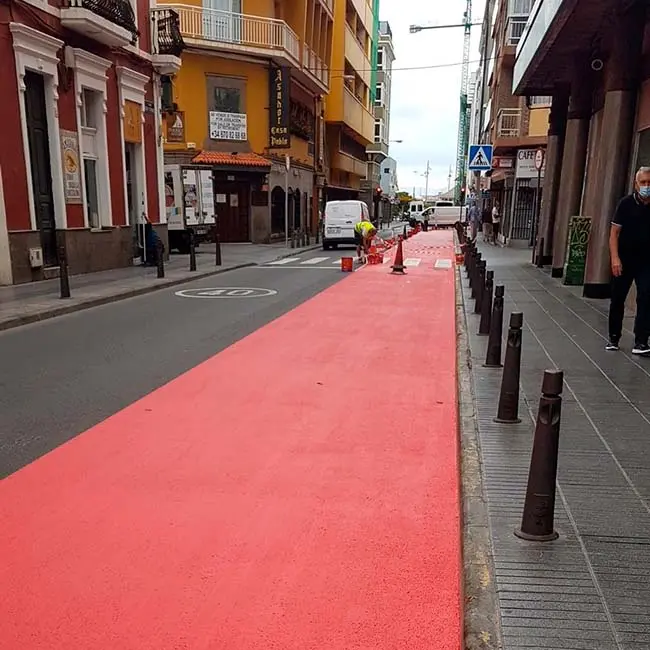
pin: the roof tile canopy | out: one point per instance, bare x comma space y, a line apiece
234, 159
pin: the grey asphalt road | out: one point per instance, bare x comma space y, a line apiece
62, 376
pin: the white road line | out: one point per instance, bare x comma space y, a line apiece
412, 261
315, 260
442, 264
303, 268
286, 260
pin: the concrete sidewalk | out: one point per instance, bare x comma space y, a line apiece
27, 303
591, 588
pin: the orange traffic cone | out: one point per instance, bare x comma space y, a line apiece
398, 264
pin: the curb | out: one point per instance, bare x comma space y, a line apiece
64, 309
481, 613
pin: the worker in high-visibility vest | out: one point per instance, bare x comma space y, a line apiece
364, 231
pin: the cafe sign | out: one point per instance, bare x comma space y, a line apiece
279, 114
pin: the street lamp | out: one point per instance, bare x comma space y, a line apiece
414, 29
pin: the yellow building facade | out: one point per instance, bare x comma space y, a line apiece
348, 111
246, 99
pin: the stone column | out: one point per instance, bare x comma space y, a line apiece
621, 82
574, 160
554, 149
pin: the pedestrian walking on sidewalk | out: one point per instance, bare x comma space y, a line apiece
474, 217
486, 220
496, 222
629, 251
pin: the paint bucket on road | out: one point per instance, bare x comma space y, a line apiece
347, 264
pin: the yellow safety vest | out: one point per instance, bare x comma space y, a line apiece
364, 227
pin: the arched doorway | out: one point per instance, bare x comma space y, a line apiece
277, 211
297, 211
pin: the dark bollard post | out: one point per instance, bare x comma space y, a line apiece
404, 234
540, 254
192, 251
160, 259
471, 258
508, 410
217, 250
468, 257
474, 277
64, 279
293, 239
486, 305
539, 508
480, 286
493, 356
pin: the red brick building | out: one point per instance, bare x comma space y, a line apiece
81, 154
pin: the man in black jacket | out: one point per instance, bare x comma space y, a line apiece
629, 250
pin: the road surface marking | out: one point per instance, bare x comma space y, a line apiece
316, 260
412, 261
286, 260
226, 292
442, 264
309, 267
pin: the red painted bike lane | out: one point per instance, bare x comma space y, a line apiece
298, 491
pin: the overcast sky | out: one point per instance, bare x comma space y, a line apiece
425, 102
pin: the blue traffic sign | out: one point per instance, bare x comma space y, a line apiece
480, 157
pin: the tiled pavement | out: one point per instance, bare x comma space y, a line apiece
26, 303
591, 588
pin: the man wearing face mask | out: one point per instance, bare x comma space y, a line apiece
629, 251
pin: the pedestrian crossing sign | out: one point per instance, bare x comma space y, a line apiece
480, 157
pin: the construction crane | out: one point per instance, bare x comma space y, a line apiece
465, 110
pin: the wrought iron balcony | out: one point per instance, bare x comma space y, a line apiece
111, 22
167, 37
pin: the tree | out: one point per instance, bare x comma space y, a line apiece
404, 198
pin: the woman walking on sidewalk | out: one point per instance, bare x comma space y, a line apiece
496, 221
629, 246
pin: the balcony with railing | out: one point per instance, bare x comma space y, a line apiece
233, 32
357, 117
167, 40
515, 30
315, 68
508, 123
111, 22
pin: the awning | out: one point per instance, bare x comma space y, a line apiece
231, 159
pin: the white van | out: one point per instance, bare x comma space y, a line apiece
339, 221
416, 209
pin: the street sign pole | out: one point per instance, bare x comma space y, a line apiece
539, 164
287, 164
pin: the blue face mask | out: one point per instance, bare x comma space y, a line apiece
644, 192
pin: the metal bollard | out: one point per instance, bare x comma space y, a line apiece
192, 251
471, 255
64, 279
307, 237
493, 355
480, 286
540, 254
317, 235
508, 409
217, 249
160, 259
486, 305
539, 507
293, 239
474, 277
